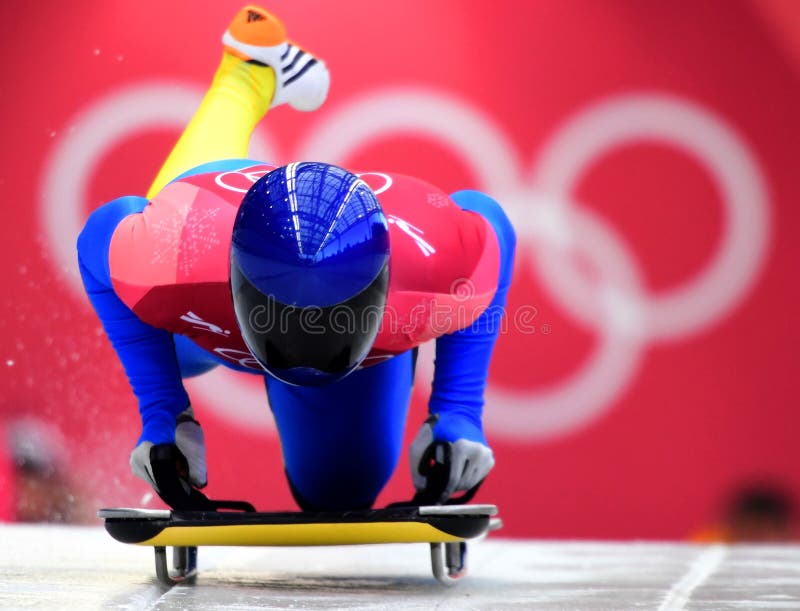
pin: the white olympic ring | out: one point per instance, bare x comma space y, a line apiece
548, 223
251, 176
385, 186
692, 129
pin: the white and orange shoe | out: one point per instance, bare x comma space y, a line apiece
301, 80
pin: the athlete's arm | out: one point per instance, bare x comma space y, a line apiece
462, 367
147, 354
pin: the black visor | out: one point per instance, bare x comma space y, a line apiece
309, 345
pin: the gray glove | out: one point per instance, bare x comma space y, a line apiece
470, 461
189, 440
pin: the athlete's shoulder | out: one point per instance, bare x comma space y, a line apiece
444, 262
401, 190
434, 242
428, 215
182, 236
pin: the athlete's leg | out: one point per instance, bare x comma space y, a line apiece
341, 442
238, 98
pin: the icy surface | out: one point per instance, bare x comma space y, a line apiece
49, 567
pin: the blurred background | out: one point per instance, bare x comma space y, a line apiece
647, 384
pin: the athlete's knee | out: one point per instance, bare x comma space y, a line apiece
335, 491
339, 479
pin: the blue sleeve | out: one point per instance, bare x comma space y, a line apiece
462, 358
147, 353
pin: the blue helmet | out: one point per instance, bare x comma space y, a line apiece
309, 271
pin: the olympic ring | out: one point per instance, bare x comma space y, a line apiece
689, 127
251, 177
377, 190
551, 226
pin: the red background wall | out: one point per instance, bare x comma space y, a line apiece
642, 390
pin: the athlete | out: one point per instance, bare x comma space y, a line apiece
320, 280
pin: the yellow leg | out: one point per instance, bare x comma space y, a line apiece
237, 100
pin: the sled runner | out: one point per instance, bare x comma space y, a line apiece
447, 528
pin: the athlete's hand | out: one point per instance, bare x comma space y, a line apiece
190, 446
470, 457
190, 441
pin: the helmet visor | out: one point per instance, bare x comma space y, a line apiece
308, 345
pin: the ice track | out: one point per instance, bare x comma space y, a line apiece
51, 567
